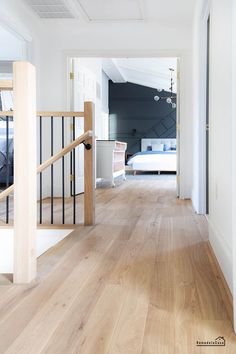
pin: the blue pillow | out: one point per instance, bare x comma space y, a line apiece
149, 148
167, 147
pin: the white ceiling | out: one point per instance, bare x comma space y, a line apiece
150, 72
173, 11
109, 10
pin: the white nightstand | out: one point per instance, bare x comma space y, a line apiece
111, 160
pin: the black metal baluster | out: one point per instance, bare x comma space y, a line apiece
71, 172
52, 171
74, 193
63, 171
7, 168
40, 175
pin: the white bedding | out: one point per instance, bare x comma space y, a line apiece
154, 162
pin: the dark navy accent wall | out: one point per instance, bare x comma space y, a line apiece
133, 115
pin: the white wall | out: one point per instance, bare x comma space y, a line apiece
220, 217
220, 167
52, 71
52, 44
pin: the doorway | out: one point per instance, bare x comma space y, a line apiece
119, 71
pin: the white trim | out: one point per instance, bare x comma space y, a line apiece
201, 206
234, 159
103, 53
109, 53
222, 252
26, 40
202, 121
13, 30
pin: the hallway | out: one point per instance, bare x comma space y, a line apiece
142, 280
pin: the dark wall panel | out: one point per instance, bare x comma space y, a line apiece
133, 114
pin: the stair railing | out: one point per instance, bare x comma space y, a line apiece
83, 139
25, 167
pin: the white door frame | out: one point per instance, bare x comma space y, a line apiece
180, 55
201, 124
234, 158
178, 129
81, 88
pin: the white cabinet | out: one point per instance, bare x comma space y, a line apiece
110, 160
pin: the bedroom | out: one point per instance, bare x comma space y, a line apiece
136, 104
142, 114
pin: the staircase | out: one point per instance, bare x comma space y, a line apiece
23, 210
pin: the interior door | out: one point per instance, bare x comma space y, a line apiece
83, 88
207, 114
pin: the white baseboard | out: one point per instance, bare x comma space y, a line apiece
222, 253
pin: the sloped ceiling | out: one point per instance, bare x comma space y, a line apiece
150, 72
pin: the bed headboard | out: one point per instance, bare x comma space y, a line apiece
149, 142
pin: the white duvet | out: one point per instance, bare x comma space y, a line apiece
154, 162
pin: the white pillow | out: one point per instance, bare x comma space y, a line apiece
158, 147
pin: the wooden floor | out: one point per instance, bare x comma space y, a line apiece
141, 281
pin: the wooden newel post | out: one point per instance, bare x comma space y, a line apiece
25, 180
89, 166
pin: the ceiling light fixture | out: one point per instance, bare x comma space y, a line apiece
169, 99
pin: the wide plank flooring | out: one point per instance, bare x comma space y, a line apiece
142, 281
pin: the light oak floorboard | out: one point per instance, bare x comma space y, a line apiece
141, 281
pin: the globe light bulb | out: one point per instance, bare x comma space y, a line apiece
173, 105
159, 89
168, 100
156, 98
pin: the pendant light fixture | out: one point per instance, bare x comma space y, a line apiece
169, 99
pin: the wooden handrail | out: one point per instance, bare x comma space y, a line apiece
60, 114
6, 85
53, 159
6, 192
64, 151
48, 114
6, 113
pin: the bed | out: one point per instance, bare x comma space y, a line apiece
156, 155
